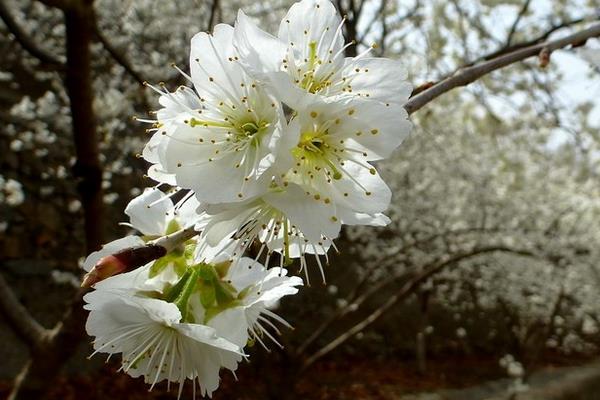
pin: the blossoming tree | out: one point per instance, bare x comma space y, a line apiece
258, 159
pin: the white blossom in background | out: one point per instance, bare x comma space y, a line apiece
11, 192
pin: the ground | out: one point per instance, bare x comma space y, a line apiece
340, 379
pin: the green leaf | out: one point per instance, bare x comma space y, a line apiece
207, 295
174, 292
222, 268
206, 272
224, 292
160, 264
172, 227
188, 288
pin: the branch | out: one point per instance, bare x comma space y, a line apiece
34, 334
214, 8
45, 363
513, 28
356, 298
507, 48
471, 74
407, 289
117, 55
26, 42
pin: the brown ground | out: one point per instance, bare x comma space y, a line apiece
327, 380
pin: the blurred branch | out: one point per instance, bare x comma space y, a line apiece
549, 329
406, 290
356, 298
352, 16
513, 28
470, 74
118, 56
26, 42
507, 48
214, 10
23, 323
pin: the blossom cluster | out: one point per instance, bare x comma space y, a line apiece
267, 155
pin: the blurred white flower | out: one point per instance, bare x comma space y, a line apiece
11, 192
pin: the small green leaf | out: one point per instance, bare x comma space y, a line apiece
172, 227
224, 292
222, 268
207, 295
160, 264
206, 271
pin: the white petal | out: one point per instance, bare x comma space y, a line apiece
353, 218
378, 79
377, 127
260, 52
312, 21
214, 76
207, 335
148, 211
231, 324
313, 218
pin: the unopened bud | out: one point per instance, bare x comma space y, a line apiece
544, 57
123, 261
105, 268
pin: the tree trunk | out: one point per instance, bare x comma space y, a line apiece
39, 374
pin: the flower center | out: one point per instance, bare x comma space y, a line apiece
316, 153
310, 82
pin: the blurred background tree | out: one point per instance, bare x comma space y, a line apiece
491, 260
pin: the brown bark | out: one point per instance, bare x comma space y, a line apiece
46, 361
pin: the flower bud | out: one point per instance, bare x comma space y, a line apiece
122, 261
105, 268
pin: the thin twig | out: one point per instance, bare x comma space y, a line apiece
407, 289
117, 55
513, 28
26, 42
471, 74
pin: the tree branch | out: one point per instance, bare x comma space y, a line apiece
31, 331
26, 42
407, 289
214, 8
46, 362
118, 56
513, 28
470, 74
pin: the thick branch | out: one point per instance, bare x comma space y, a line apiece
46, 362
19, 318
406, 290
26, 42
470, 74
